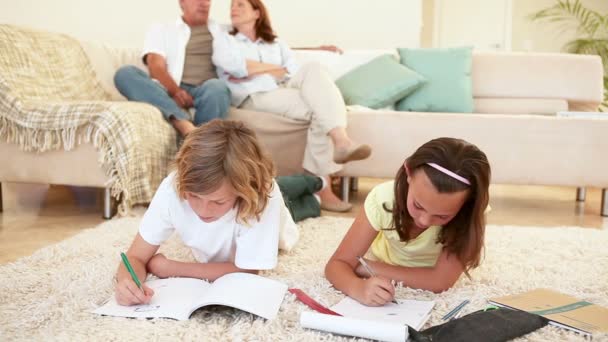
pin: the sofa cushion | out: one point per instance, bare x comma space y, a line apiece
448, 73
378, 83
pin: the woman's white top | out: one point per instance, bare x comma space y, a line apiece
230, 53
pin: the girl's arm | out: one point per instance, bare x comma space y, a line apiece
438, 278
340, 269
165, 268
127, 292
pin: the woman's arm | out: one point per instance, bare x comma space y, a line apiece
340, 269
165, 268
127, 292
329, 48
438, 278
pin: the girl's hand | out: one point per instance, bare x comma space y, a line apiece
160, 266
361, 272
127, 292
374, 291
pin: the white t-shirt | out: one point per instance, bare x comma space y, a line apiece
254, 246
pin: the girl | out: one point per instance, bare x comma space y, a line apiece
263, 75
424, 228
224, 205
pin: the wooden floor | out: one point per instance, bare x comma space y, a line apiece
35, 216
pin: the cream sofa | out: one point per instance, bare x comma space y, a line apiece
516, 97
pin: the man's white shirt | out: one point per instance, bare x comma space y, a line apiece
170, 41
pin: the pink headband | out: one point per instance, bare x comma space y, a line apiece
449, 173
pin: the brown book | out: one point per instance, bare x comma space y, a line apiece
560, 309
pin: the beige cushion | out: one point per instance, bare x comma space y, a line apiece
519, 106
283, 138
538, 75
105, 60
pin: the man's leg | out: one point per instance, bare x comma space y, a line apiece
211, 101
134, 84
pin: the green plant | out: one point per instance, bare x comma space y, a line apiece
591, 28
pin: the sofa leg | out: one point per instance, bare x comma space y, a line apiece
581, 194
345, 188
107, 204
604, 202
354, 184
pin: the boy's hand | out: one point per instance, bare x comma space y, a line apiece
374, 291
127, 293
160, 266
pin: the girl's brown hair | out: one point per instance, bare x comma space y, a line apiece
263, 28
464, 234
225, 149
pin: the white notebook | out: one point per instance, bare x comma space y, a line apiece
178, 298
384, 323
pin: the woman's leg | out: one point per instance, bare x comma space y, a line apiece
322, 96
318, 155
287, 102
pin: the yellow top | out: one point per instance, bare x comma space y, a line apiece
422, 251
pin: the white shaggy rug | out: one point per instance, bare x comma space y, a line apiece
49, 295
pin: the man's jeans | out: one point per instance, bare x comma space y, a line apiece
211, 99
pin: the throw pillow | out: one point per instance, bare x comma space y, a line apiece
449, 86
379, 83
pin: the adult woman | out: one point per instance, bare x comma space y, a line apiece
262, 74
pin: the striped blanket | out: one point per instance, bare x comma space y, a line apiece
51, 99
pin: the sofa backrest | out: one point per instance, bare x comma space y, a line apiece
38, 65
503, 82
506, 82
578, 79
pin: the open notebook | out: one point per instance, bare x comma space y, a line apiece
384, 323
178, 298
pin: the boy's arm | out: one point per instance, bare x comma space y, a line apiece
165, 268
127, 292
437, 279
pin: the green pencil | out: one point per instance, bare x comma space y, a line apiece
130, 269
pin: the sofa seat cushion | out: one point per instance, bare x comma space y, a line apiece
283, 138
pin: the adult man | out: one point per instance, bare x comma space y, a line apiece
182, 75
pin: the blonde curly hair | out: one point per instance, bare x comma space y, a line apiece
226, 149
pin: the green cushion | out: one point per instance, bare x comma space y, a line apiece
378, 83
448, 72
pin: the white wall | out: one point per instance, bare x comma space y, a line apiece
347, 23
543, 36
